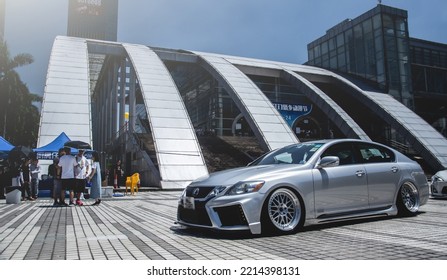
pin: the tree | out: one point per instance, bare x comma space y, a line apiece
19, 118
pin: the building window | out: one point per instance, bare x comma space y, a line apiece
359, 51
350, 54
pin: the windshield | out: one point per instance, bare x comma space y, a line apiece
293, 154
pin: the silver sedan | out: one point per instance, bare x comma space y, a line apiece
306, 183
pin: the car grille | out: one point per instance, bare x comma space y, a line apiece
231, 215
202, 191
198, 216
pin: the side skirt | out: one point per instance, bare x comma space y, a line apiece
354, 215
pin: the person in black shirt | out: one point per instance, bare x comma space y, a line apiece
26, 181
5, 180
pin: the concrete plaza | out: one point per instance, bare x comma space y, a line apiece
142, 227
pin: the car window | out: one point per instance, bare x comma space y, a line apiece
373, 153
293, 154
344, 151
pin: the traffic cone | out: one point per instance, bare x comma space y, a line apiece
115, 182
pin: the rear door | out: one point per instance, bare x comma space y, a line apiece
383, 174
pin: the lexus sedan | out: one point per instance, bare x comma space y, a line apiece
438, 184
306, 183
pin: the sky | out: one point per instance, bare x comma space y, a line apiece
266, 29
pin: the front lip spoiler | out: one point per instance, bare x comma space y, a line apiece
437, 195
231, 228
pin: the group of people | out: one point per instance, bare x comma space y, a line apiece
73, 173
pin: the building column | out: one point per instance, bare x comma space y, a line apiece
102, 127
220, 111
132, 100
108, 106
115, 93
122, 99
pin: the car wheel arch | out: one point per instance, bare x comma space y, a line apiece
295, 191
402, 209
402, 181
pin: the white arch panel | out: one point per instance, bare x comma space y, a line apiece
66, 100
180, 158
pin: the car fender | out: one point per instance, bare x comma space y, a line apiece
417, 178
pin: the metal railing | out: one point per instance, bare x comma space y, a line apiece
403, 148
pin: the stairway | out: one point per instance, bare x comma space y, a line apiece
223, 153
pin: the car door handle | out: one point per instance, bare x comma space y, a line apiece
394, 169
360, 173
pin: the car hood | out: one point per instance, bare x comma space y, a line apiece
232, 176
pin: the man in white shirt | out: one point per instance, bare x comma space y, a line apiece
81, 172
68, 163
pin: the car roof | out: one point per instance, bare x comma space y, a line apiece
325, 141
342, 140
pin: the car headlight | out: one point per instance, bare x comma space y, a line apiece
436, 179
180, 200
245, 187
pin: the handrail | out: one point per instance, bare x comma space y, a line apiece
399, 146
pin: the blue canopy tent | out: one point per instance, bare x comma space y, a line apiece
50, 150
5, 146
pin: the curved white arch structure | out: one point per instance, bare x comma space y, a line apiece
178, 152
66, 99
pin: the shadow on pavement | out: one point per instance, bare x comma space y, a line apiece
233, 235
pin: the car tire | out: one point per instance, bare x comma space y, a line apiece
283, 212
407, 200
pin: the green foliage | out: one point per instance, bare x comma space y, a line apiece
19, 118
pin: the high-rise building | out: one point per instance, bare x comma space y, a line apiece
2, 19
93, 19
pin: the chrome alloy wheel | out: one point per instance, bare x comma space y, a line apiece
410, 197
284, 210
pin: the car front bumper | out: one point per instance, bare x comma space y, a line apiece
224, 212
438, 189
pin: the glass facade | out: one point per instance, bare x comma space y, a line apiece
429, 67
306, 125
203, 99
429, 79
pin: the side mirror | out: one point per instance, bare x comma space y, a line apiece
329, 161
